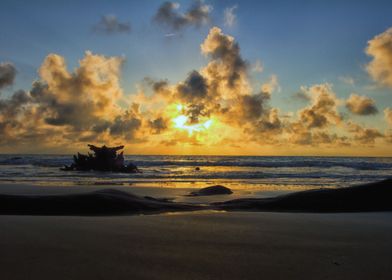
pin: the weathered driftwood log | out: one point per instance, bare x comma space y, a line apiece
103, 159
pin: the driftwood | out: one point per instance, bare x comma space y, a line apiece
103, 159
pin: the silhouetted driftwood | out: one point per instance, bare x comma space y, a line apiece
103, 159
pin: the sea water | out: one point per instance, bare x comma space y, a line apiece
249, 171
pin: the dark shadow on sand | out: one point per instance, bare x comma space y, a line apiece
369, 197
103, 202
363, 198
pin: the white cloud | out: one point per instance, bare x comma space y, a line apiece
230, 18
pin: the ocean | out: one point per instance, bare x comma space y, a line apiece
256, 172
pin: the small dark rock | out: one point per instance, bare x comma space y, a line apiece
197, 168
212, 190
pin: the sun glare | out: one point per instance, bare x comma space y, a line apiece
182, 122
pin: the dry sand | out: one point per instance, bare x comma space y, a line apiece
198, 245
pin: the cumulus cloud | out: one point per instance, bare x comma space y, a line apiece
388, 115
221, 91
230, 18
380, 49
88, 104
197, 15
253, 106
363, 135
315, 121
109, 24
158, 125
193, 88
72, 106
323, 110
7, 74
227, 65
361, 105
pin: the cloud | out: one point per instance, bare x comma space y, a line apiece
302, 96
7, 74
227, 65
380, 49
230, 18
347, 80
125, 126
253, 106
257, 67
323, 110
92, 89
388, 115
315, 121
361, 105
271, 85
193, 88
198, 14
363, 135
158, 125
109, 24
71, 107
66, 108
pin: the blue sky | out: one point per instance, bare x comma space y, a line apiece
302, 42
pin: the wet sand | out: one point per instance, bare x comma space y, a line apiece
370, 197
198, 245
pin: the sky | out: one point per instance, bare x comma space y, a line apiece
197, 77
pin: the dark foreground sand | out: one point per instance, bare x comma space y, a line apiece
198, 245
100, 234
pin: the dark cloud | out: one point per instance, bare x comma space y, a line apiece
193, 88
363, 135
10, 108
125, 126
195, 111
7, 74
223, 49
361, 105
158, 125
253, 106
109, 24
197, 15
302, 96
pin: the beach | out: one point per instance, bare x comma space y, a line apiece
177, 244
195, 140
198, 245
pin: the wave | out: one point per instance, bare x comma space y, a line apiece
208, 161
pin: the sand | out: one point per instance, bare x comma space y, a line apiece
367, 197
198, 245
193, 245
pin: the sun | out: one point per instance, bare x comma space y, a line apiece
182, 122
